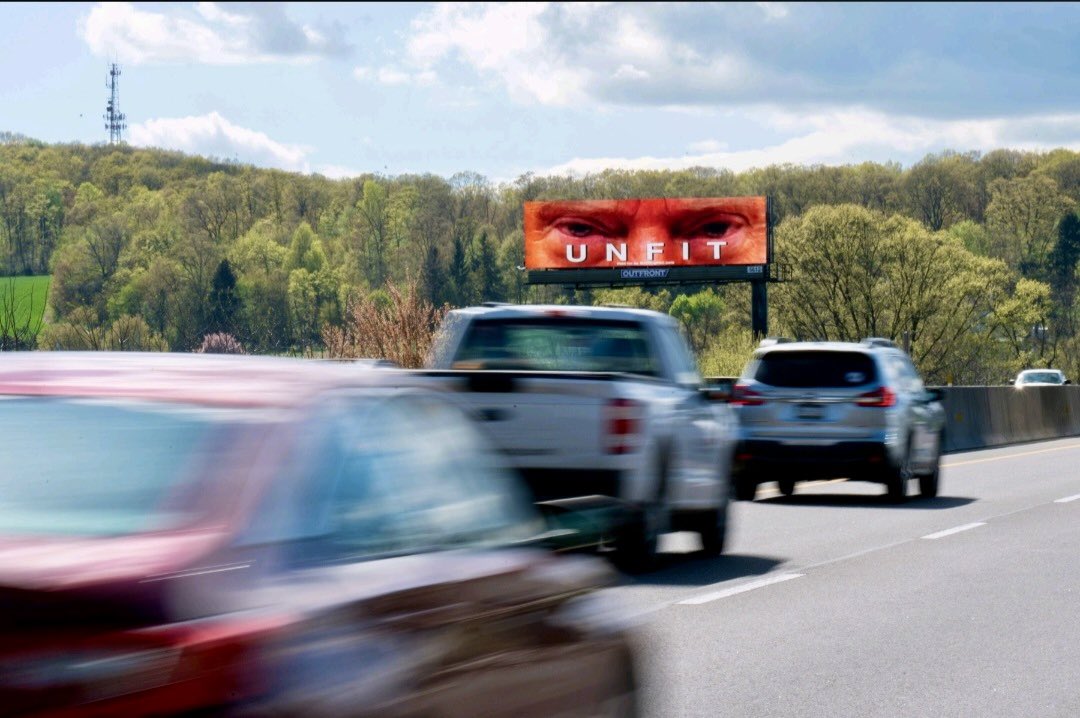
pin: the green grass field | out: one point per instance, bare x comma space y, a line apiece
28, 296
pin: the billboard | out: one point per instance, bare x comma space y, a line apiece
647, 233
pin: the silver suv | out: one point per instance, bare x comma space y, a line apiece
824, 410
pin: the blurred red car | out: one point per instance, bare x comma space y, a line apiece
215, 534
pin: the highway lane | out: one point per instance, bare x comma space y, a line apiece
835, 602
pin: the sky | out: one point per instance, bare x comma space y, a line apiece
344, 89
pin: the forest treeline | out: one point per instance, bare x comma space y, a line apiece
971, 258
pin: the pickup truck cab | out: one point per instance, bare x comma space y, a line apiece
598, 402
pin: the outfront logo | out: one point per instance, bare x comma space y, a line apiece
643, 273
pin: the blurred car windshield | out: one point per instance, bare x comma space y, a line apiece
371, 478
1041, 377
806, 369
558, 345
97, 468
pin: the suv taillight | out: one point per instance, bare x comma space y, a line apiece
742, 395
882, 397
622, 418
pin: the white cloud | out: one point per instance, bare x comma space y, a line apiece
705, 146
729, 55
337, 172
391, 75
567, 54
514, 46
773, 10
215, 136
212, 35
846, 136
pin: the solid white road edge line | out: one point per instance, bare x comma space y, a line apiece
717, 595
1067, 499
954, 530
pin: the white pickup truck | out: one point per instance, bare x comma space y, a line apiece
596, 402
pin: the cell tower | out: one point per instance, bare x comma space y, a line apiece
114, 118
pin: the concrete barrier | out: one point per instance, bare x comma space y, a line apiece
977, 417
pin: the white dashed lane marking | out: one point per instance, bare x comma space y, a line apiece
761, 583
954, 530
1067, 499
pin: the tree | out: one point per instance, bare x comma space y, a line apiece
1062, 271
701, 314
459, 274
484, 268
941, 190
224, 300
305, 250
858, 273
398, 325
1022, 218
374, 229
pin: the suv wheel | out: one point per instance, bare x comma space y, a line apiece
929, 483
898, 478
786, 486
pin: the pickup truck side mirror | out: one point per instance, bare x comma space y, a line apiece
716, 394
717, 389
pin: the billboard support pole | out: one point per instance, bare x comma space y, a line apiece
759, 308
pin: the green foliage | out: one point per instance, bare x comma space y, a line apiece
641, 298
224, 299
22, 310
128, 232
727, 352
702, 316
859, 273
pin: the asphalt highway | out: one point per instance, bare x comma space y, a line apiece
834, 602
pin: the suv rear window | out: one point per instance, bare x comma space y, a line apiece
805, 369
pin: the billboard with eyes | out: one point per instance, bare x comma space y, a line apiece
616, 234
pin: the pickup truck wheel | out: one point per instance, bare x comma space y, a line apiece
637, 540
711, 526
745, 489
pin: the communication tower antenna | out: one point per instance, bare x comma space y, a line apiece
114, 118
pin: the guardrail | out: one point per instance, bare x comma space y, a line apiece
978, 417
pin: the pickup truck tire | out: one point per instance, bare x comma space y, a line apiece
637, 539
745, 490
711, 525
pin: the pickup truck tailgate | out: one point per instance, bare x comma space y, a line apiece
537, 419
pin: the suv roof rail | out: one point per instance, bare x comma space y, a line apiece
880, 342
770, 341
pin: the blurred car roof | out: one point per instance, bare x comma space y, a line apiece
211, 379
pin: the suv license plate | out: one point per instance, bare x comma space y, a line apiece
811, 411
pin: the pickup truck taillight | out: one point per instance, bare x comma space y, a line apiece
622, 418
882, 397
742, 395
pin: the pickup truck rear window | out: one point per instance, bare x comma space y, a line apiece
547, 344
808, 369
